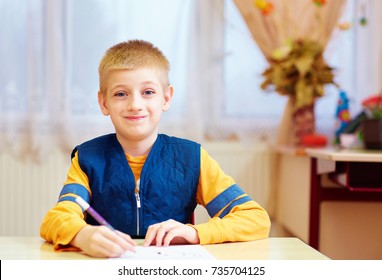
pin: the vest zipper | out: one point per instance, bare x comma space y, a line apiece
138, 199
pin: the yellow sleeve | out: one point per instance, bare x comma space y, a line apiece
243, 222
61, 223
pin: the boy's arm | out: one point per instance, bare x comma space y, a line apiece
65, 227
235, 216
61, 224
66, 219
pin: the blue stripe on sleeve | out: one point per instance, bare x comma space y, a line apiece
70, 198
223, 199
233, 204
76, 189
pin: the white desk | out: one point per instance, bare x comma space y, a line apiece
341, 220
363, 181
29, 248
346, 155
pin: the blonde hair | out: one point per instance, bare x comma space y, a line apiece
132, 55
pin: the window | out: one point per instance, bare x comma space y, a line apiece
258, 111
50, 53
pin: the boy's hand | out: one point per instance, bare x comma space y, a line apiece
170, 231
102, 242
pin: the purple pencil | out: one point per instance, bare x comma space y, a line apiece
93, 212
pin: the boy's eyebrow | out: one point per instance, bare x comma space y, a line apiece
114, 87
150, 83
124, 84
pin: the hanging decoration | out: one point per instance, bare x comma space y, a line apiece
319, 2
298, 70
266, 7
363, 18
343, 26
360, 19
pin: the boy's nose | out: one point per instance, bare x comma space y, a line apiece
135, 103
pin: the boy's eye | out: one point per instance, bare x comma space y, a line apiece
148, 92
120, 94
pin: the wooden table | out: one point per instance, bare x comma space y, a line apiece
29, 248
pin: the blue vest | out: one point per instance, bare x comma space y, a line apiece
168, 182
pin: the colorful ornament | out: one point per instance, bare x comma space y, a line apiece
319, 2
342, 113
264, 6
344, 25
363, 20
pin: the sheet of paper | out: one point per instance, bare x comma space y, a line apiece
178, 252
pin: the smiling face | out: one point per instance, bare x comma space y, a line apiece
135, 100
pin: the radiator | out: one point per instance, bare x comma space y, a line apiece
29, 189
251, 165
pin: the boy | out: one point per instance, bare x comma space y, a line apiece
145, 184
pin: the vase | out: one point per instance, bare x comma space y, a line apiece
372, 133
303, 123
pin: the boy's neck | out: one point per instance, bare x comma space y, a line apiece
136, 148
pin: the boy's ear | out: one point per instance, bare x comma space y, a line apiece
168, 97
102, 103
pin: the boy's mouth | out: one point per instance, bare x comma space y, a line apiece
135, 118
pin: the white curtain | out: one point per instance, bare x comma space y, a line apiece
367, 78
32, 75
50, 52
301, 20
